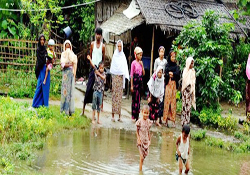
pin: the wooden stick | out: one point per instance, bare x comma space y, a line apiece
152, 51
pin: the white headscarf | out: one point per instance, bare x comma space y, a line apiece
188, 78
68, 56
156, 85
119, 64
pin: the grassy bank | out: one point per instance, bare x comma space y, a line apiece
24, 130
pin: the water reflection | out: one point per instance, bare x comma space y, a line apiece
109, 151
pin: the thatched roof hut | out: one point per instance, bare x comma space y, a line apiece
159, 21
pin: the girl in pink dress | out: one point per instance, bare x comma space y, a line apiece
143, 135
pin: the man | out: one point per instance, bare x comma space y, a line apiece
97, 53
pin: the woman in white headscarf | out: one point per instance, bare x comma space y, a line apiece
188, 91
119, 70
156, 90
69, 66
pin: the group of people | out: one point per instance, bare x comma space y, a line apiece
162, 86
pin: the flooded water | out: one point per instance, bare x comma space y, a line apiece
110, 151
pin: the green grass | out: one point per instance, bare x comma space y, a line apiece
24, 129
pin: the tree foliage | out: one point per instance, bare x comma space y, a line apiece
210, 45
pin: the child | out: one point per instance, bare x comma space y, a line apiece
156, 90
160, 61
182, 149
98, 87
142, 133
136, 73
51, 56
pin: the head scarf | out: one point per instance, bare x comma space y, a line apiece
137, 51
188, 78
156, 85
40, 53
68, 56
172, 67
248, 67
119, 64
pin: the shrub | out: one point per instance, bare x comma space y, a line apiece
198, 135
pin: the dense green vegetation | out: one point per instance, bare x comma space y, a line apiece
24, 130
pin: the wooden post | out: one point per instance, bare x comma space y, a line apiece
152, 51
129, 64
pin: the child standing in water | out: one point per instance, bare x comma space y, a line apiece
143, 134
182, 149
156, 90
98, 87
137, 71
50, 58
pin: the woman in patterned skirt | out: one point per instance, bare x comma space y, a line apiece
68, 65
136, 73
172, 76
188, 91
119, 70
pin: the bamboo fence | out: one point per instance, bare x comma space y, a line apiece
18, 59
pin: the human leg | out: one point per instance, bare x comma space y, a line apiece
141, 162
187, 167
94, 106
93, 117
99, 104
180, 165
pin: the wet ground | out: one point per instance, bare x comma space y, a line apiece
113, 151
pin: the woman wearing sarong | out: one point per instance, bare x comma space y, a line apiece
41, 97
248, 89
68, 65
136, 73
119, 70
188, 91
156, 93
172, 76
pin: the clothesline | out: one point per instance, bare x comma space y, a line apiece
65, 7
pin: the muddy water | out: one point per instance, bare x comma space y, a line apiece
109, 151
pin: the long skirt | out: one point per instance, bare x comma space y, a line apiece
136, 96
117, 83
41, 97
248, 100
89, 91
67, 91
154, 109
186, 105
170, 101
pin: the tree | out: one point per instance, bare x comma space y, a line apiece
210, 45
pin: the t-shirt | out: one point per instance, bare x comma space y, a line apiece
50, 53
99, 82
136, 68
159, 62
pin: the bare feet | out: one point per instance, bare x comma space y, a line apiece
98, 122
93, 121
119, 120
113, 120
173, 125
133, 120
158, 124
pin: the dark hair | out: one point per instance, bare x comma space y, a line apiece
161, 47
101, 63
98, 31
186, 129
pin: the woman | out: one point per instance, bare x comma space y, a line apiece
68, 65
188, 91
136, 73
172, 76
248, 89
156, 93
41, 97
119, 70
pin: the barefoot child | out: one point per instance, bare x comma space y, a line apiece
156, 90
183, 147
50, 58
142, 133
98, 87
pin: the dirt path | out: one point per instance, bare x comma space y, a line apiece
126, 123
